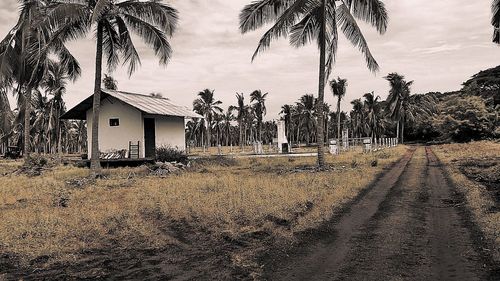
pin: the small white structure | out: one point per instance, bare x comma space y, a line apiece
127, 120
334, 149
283, 146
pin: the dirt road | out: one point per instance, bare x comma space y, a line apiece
408, 226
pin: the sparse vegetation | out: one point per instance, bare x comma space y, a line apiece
475, 169
59, 215
170, 154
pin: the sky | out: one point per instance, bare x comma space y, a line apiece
438, 44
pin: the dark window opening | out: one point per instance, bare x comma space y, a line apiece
114, 122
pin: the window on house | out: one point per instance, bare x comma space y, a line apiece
114, 122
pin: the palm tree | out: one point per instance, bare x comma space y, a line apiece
260, 109
372, 108
242, 111
110, 83
357, 117
24, 55
227, 118
307, 112
207, 106
286, 110
6, 118
398, 100
339, 88
495, 20
308, 20
153, 22
54, 83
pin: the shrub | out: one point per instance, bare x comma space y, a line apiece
171, 154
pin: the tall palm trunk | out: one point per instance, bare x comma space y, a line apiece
397, 131
321, 90
241, 134
27, 115
338, 121
95, 164
402, 132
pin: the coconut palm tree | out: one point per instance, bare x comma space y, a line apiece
207, 106
260, 109
495, 20
227, 118
307, 20
373, 116
54, 83
307, 112
398, 100
339, 88
242, 111
114, 22
357, 118
6, 118
25, 53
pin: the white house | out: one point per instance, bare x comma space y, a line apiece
127, 120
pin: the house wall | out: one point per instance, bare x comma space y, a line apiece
117, 138
170, 131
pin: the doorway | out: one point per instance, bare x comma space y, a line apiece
149, 137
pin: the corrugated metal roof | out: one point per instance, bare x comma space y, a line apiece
153, 105
146, 104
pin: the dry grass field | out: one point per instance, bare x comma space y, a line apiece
475, 169
61, 213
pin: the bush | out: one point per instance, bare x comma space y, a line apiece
171, 154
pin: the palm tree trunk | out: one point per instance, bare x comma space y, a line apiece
397, 131
241, 135
402, 132
338, 121
27, 115
95, 164
321, 90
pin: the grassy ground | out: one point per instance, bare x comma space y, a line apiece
61, 213
475, 170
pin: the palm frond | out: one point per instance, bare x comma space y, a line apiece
284, 23
100, 8
130, 54
353, 33
260, 13
306, 30
111, 45
370, 11
152, 36
161, 15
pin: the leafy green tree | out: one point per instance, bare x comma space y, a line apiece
113, 23
467, 118
316, 20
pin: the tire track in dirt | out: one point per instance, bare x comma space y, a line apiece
326, 254
411, 231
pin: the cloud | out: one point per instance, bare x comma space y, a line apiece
439, 44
